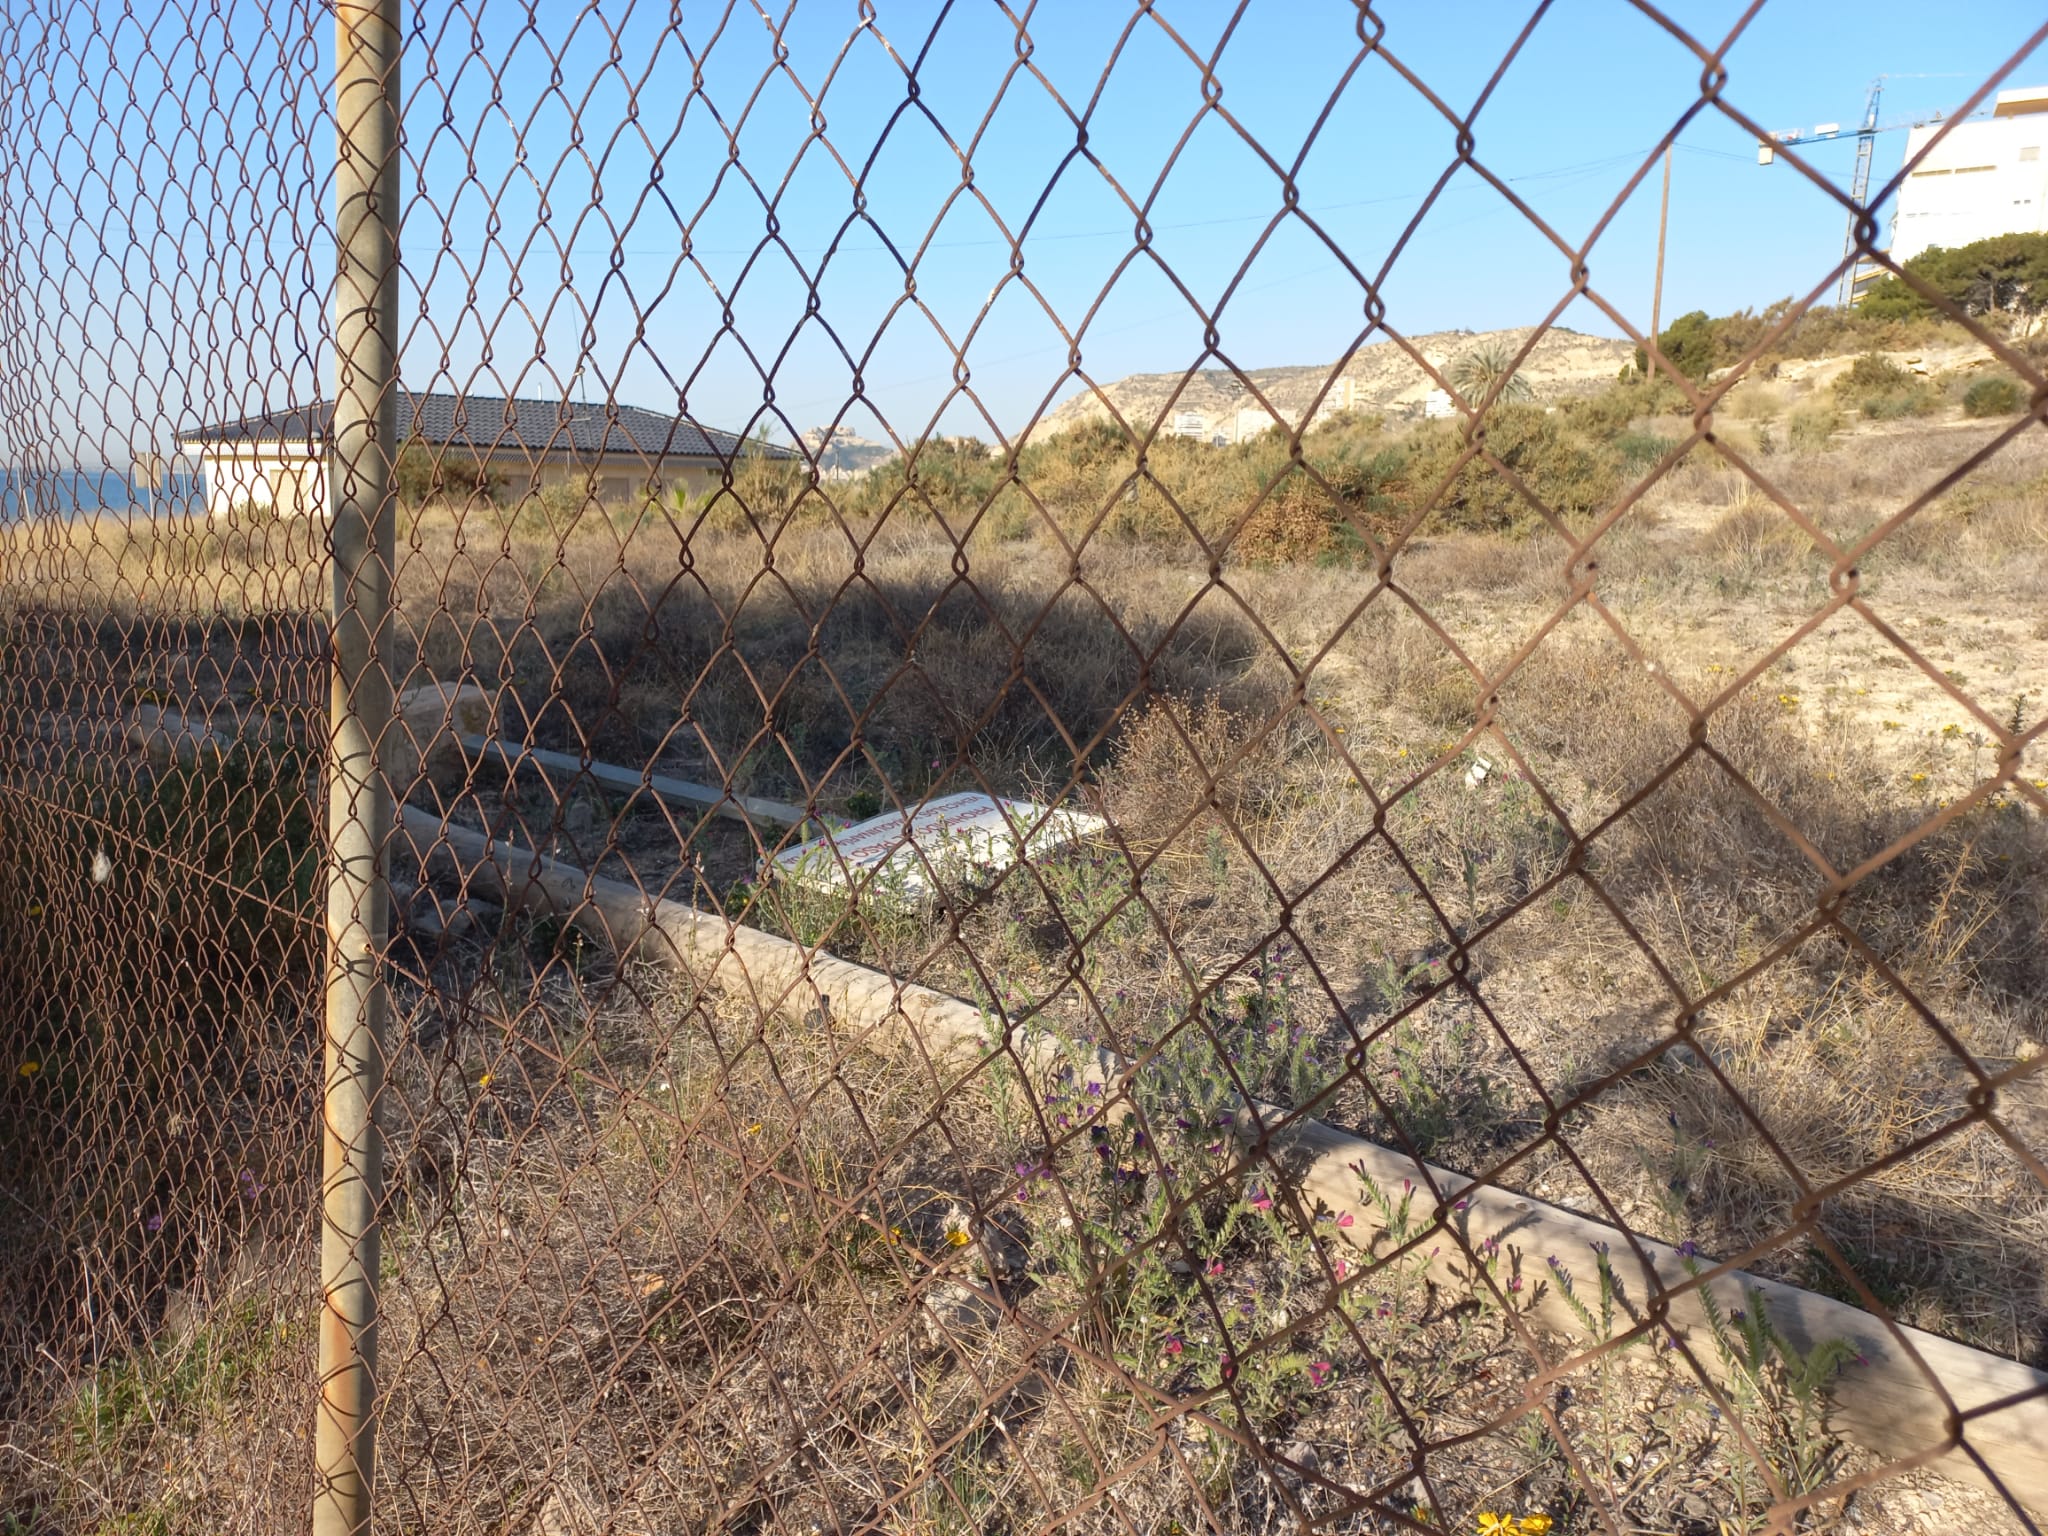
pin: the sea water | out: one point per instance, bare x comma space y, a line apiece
28, 495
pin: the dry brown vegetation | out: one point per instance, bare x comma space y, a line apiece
664, 1262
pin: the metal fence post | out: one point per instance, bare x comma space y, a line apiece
363, 448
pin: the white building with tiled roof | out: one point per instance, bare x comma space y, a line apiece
616, 453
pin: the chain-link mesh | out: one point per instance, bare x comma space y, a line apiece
1500, 981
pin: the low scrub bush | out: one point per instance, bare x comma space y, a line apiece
1809, 428
1637, 452
1613, 410
1882, 391
425, 474
1997, 395
1566, 470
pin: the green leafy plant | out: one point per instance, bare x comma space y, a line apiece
861, 913
1252, 1039
1780, 1394
1486, 370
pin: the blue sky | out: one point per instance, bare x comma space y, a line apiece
532, 252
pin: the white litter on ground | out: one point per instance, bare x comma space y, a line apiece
1476, 774
957, 836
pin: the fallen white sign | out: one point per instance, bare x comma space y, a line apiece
958, 836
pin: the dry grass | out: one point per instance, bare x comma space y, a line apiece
679, 1266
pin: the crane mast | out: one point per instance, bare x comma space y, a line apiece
1859, 188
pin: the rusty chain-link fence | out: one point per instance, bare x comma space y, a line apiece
1452, 941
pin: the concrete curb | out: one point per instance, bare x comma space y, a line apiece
1913, 1398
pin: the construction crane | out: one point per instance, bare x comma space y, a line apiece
1859, 188
1865, 135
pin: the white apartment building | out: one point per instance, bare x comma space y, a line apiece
1987, 177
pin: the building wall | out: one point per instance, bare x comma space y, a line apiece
282, 478
292, 482
1986, 178
1222, 428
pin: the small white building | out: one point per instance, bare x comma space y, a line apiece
278, 460
1222, 428
1987, 177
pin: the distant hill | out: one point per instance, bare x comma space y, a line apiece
1380, 378
842, 454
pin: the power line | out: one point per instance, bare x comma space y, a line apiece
1117, 231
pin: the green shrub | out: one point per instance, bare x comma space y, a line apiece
956, 478
1997, 395
1611, 411
1569, 472
1688, 344
1638, 451
1919, 400
2005, 273
1820, 332
1883, 391
1890, 299
767, 491
1809, 428
1090, 475
1871, 373
424, 474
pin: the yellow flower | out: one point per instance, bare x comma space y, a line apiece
484, 1081
1491, 1524
957, 1238
1789, 700
1535, 1525
1951, 729
1894, 725
1916, 778
31, 1068
754, 1129
35, 909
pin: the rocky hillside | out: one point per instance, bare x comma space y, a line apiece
1380, 377
844, 455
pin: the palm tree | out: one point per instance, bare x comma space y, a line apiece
1483, 368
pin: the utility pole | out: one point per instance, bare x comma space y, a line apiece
359, 817
1663, 221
